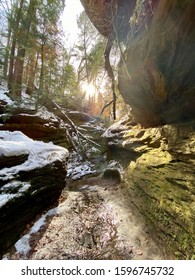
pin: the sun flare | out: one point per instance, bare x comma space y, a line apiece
89, 89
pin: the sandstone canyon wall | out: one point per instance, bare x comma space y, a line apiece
156, 78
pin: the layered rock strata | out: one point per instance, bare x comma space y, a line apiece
32, 176
160, 177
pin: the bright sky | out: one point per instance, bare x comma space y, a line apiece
69, 19
69, 23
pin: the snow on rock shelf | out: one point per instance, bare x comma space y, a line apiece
22, 115
32, 176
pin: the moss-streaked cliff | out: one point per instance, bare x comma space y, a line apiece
160, 176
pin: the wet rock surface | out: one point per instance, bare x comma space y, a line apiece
93, 221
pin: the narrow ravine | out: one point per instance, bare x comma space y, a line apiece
94, 218
92, 221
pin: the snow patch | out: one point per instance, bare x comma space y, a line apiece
22, 246
41, 222
115, 129
98, 127
78, 168
114, 142
4, 198
23, 186
80, 171
40, 153
27, 101
4, 97
94, 188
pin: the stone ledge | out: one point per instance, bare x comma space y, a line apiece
29, 184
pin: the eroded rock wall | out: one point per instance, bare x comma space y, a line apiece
160, 177
156, 78
156, 74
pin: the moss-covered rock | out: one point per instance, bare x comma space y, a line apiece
161, 181
164, 191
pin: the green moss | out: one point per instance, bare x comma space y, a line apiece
163, 193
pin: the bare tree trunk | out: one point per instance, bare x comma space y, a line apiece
86, 59
13, 46
5, 68
26, 72
33, 60
19, 65
41, 83
18, 73
110, 74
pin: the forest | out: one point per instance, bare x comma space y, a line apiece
97, 130
37, 59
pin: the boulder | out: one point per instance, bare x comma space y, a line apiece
79, 117
32, 176
112, 175
160, 177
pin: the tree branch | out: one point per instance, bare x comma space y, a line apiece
50, 104
109, 70
103, 109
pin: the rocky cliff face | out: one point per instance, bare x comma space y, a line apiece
156, 75
156, 72
160, 175
156, 78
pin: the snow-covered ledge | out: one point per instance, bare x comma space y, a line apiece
32, 176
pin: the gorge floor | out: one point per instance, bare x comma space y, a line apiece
93, 220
